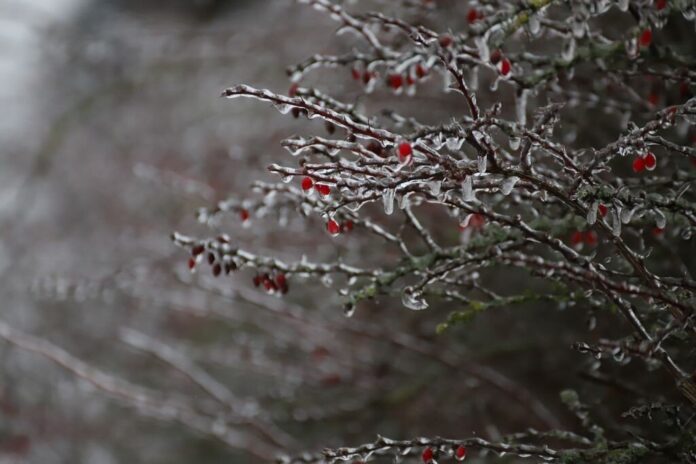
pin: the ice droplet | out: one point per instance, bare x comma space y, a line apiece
623, 5
389, 201
515, 143
569, 48
435, 187
349, 309
413, 300
627, 214
660, 219
508, 185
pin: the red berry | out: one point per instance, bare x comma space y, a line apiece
191, 263
591, 238
496, 55
657, 231
445, 40
410, 80
355, 73
653, 98
405, 151
293, 89
660, 4
505, 67
427, 455
333, 227
347, 225
396, 81
197, 250
473, 15
645, 37
307, 183
244, 214
602, 210
460, 453
217, 269
420, 71
638, 165
323, 189
256, 280
649, 161
576, 238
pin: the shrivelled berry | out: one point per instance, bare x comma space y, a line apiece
293, 89
660, 4
496, 55
428, 455
638, 165
657, 231
576, 238
330, 128
333, 227
649, 161
211, 258
405, 151
653, 98
197, 250
445, 40
602, 210
257, 280
505, 67
191, 263
347, 225
323, 189
473, 15
591, 238
244, 214
355, 73
645, 37
217, 269
281, 282
460, 453
395, 81
410, 80
421, 71
230, 266
375, 147
307, 183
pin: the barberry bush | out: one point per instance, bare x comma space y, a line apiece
552, 140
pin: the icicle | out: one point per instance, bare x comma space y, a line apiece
482, 164
468, 189
592, 213
389, 201
482, 47
521, 107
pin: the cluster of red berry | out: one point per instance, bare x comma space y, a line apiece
647, 161
272, 283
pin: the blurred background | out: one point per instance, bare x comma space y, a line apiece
112, 135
